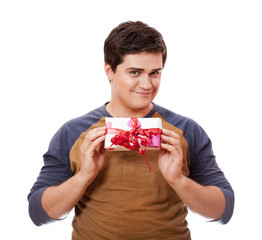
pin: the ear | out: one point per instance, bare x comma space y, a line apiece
109, 72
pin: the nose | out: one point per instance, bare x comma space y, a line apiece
145, 82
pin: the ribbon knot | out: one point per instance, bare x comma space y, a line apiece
135, 138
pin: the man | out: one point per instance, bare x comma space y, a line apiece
113, 193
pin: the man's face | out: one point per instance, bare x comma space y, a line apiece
135, 82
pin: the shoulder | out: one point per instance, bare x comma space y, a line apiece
193, 133
69, 132
184, 123
84, 122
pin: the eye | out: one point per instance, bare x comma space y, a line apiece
155, 74
134, 73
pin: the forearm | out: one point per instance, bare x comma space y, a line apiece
58, 201
208, 201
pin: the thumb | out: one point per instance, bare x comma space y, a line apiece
162, 152
102, 149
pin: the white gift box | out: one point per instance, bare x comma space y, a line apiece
146, 126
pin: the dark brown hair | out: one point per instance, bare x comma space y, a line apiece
132, 37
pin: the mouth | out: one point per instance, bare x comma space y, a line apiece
144, 93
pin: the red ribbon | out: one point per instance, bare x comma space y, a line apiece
135, 138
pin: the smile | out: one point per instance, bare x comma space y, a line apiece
144, 93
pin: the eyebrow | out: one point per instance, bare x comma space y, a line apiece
142, 69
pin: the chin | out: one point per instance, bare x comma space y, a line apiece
141, 105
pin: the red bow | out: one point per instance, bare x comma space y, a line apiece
135, 138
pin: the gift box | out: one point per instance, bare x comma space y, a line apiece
126, 134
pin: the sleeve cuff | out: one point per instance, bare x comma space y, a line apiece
230, 201
36, 211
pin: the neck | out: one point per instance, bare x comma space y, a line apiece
118, 111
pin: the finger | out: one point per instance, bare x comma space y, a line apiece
92, 146
171, 148
169, 133
94, 134
170, 137
90, 138
162, 151
170, 140
97, 141
102, 147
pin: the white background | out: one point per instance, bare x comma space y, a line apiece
51, 70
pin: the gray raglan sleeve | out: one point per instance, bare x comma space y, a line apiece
55, 171
205, 170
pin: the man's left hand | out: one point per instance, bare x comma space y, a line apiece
171, 156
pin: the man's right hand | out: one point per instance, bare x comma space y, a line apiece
92, 153
56, 200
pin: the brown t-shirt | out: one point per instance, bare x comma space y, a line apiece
126, 200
